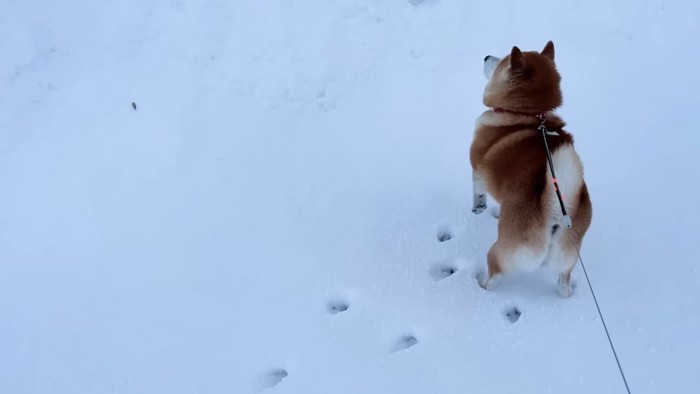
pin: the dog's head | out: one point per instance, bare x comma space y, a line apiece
523, 81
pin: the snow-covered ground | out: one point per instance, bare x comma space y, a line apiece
268, 216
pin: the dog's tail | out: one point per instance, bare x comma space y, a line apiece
569, 171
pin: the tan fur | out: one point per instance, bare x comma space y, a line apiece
508, 156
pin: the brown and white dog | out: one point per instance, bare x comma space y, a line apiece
509, 162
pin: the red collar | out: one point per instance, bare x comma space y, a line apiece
540, 116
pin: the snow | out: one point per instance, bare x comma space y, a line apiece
269, 216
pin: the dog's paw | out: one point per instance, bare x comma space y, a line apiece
479, 209
479, 204
565, 290
487, 282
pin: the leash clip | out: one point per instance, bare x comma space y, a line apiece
566, 220
543, 128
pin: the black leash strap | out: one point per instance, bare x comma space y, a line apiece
566, 219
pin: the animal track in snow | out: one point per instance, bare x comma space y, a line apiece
443, 232
440, 271
444, 235
417, 3
271, 379
512, 314
405, 342
335, 307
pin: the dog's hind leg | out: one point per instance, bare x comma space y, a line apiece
494, 270
566, 243
479, 189
566, 265
521, 244
562, 258
506, 256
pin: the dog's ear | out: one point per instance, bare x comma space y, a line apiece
548, 50
517, 60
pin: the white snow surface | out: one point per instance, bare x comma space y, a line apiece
291, 159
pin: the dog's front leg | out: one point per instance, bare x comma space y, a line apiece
479, 193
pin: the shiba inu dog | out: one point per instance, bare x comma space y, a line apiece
509, 162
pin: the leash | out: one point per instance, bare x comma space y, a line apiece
566, 219
617, 360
